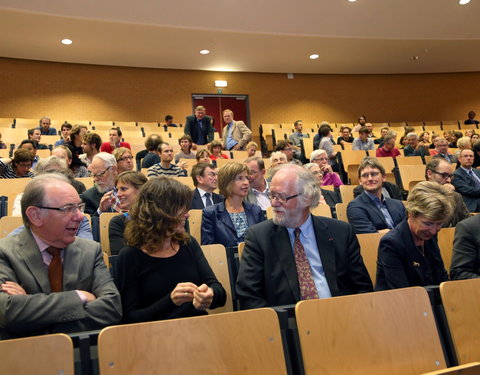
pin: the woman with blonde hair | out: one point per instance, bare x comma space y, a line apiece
162, 273
226, 222
409, 254
124, 159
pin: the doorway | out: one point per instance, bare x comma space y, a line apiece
215, 104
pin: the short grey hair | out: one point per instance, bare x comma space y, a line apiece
309, 166
316, 153
107, 158
52, 162
414, 135
306, 184
35, 191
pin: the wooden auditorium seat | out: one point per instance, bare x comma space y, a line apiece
410, 173
195, 224
341, 210
104, 220
445, 243
8, 224
369, 250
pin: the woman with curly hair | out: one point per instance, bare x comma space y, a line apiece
162, 273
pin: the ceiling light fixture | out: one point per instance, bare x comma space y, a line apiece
67, 42
463, 2
204, 52
314, 56
351, 1
414, 58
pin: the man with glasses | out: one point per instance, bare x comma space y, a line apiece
205, 179
102, 196
18, 166
371, 211
286, 147
51, 280
298, 256
258, 190
199, 126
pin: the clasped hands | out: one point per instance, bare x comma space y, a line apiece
200, 296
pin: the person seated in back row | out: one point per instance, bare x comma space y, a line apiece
363, 142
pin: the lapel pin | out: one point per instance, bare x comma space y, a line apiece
416, 264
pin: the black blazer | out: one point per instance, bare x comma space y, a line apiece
197, 134
217, 226
197, 202
268, 276
366, 217
400, 264
465, 186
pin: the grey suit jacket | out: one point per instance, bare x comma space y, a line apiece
466, 250
41, 311
241, 133
465, 186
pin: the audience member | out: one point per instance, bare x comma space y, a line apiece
165, 167
258, 191
75, 146
425, 138
441, 150
363, 142
235, 134
163, 274
362, 120
150, 157
65, 153
35, 135
91, 144
469, 132
186, 143
329, 177
115, 136
128, 185
276, 158
462, 144
215, 148
330, 197
169, 121
297, 138
252, 148
286, 147
471, 119
325, 143
383, 133
200, 127
467, 181
45, 128
32, 148
409, 255
52, 281
203, 156
297, 256
65, 133
388, 149
441, 171
415, 146
432, 141
456, 135
403, 142
226, 222
466, 250
124, 159
205, 179
3, 146
346, 136
18, 166
102, 197
371, 211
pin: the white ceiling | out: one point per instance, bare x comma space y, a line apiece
365, 37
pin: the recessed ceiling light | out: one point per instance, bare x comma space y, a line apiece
351, 1
414, 58
67, 41
204, 52
314, 56
463, 2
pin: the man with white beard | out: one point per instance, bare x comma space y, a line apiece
102, 197
296, 255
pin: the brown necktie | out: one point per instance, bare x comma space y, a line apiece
308, 290
55, 270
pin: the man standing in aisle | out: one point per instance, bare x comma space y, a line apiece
200, 127
235, 134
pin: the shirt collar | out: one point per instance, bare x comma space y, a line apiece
304, 227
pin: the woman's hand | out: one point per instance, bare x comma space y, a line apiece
202, 297
182, 293
326, 168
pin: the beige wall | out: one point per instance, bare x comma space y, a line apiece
32, 89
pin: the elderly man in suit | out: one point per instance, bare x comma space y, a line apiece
205, 179
235, 134
371, 211
52, 281
298, 256
467, 181
200, 127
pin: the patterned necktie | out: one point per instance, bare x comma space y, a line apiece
308, 289
208, 200
474, 178
55, 269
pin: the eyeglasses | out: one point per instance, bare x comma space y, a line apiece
281, 197
444, 175
101, 173
320, 159
68, 209
126, 158
368, 174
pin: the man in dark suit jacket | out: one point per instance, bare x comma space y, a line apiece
327, 250
467, 185
205, 179
466, 250
41, 294
200, 127
371, 212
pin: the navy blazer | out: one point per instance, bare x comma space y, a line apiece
217, 226
400, 264
192, 129
366, 217
197, 202
465, 186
